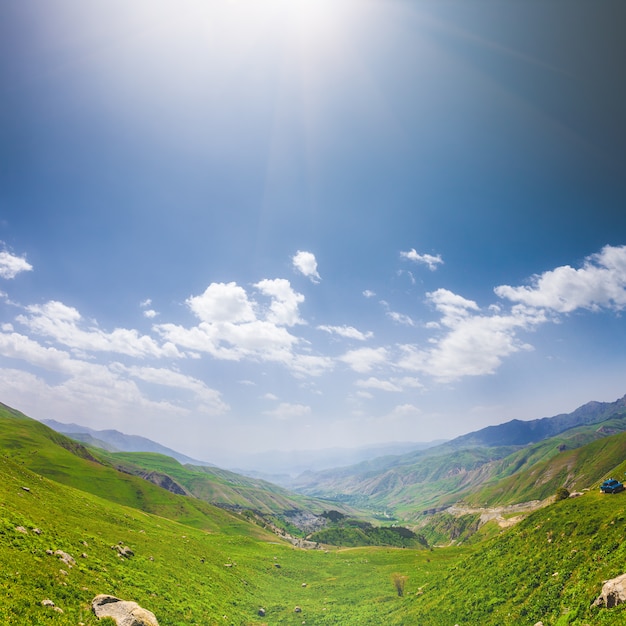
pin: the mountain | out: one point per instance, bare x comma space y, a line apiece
519, 433
190, 563
115, 441
406, 486
283, 466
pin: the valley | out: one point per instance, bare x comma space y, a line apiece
208, 546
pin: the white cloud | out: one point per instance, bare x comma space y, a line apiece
286, 411
150, 313
474, 344
393, 384
11, 265
231, 327
209, 399
599, 283
377, 383
364, 359
400, 318
63, 324
349, 332
145, 303
425, 259
285, 301
368, 293
83, 387
222, 302
306, 264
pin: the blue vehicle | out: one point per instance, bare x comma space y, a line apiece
611, 486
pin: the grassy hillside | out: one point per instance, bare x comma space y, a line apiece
549, 567
48, 453
215, 485
576, 469
407, 486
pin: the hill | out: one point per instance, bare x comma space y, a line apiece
65, 545
406, 486
115, 441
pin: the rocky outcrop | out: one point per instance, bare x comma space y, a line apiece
164, 481
613, 592
123, 612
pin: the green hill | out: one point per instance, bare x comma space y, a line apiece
222, 570
407, 486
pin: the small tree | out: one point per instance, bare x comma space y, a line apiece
399, 580
561, 494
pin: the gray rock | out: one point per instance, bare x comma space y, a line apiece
613, 592
124, 612
66, 558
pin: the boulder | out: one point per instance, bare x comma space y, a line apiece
68, 559
613, 592
123, 612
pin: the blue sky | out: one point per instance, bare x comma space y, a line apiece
236, 226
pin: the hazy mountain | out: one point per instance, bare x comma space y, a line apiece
115, 441
436, 477
282, 466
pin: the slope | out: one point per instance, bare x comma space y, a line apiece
407, 486
33, 445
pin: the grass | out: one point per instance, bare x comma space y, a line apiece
205, 566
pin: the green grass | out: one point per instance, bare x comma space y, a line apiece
216, 568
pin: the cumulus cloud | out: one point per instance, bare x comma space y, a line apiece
233, 326
348, 332
222, 302
64, 324
306, 264
473, 343
599, 283
11, 265
285, 301
431, 261
368, 293
78, 386
364, 360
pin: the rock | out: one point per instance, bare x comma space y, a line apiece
66, 558
26, 488
613, 592
37, 531
47, 602
297, 610
261, 612
123, 551
123, 612
21, 529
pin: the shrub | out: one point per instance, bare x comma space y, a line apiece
399, 580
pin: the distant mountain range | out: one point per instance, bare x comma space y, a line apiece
115, 441
276, 465
427, 480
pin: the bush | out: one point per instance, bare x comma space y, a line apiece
399, 580
561, 494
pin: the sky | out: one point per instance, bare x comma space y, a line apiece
235, 226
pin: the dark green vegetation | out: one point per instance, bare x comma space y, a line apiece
197, 564
347, 531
